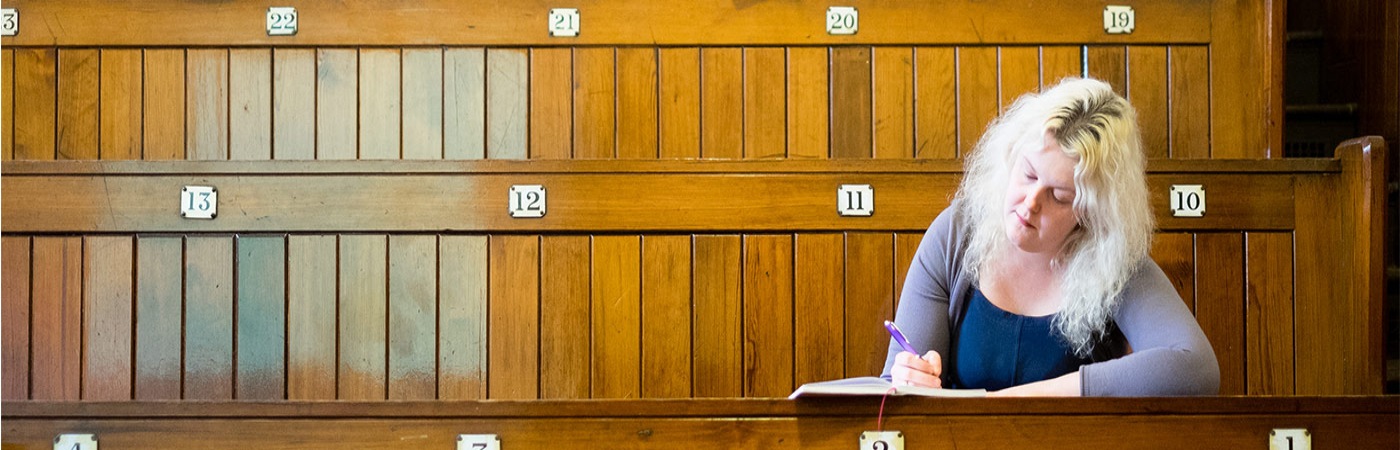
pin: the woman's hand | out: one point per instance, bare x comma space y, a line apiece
911, 370
1066, 385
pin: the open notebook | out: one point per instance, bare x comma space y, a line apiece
876, 386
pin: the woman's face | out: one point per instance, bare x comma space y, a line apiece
1039, 213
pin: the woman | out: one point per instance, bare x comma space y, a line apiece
1036, 280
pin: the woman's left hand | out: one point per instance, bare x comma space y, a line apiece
1066, 385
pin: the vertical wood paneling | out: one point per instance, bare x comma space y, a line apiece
160, 281
894, 102
636, 103
935, 103
413, 269
905, 245
617, 321
977, 94
36, 75
164, 122
808, 113
422, 103
851, 102
565, 353
206, 103
595, 103
294, 103
363, 318
514, 317
107, 288
261, 364
14, 315
55, 332
870, 281
1147, 90
1220, 304
679, 102
1058, 62
507, 103
121, 105
1320, 309
768, 339
464, 103
1175, 253
1269, 334
765, 102
311, 317
818, 307
666, 317
208, 318
718, 354
381, 108
78, 86
722, 103
1190, 102
7, 111
1110, 64
462, 317
250, 104
1240, 92
551, 103
337, 100
1020, 73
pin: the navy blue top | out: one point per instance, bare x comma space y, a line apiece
994, 349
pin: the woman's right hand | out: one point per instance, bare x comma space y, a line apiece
911, 370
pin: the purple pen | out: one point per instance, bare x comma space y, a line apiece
899, 337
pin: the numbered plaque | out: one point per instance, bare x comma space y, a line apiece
75, 442
199, 202
1188, 200
527, 201
882, 440
1290, 439
1118, 19
563, 22
478, 442
855, 200
842, 20
9, 22
281, 21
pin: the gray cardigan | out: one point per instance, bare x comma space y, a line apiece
1170, 355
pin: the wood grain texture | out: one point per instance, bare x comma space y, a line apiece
55, 331
507, 103
413, 309
7, 105
1191, 106
337, 103
250, 104
595, 103
120, 114
311, 317
719, 316
514, 309
78, 88
1240, 99
208, 318
808, 103
422, 101
1147, 90
818, 307
1220, 304
261, 327
851, 111
293, 104
207, 104
1175, 253
1269, 313
721, 103
893, 100
666, 316
551, 103
870, 299
905, 246
36, 75
1019, 69
566, 353
678, 103
14, 316
381, 106
159, 317
637, 103
1058, 62
462, 326
768, 307
935, 103
765, 103
977, 94
362, 328
163, 130
616, 316
1110, 64
464, 103
107, 317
